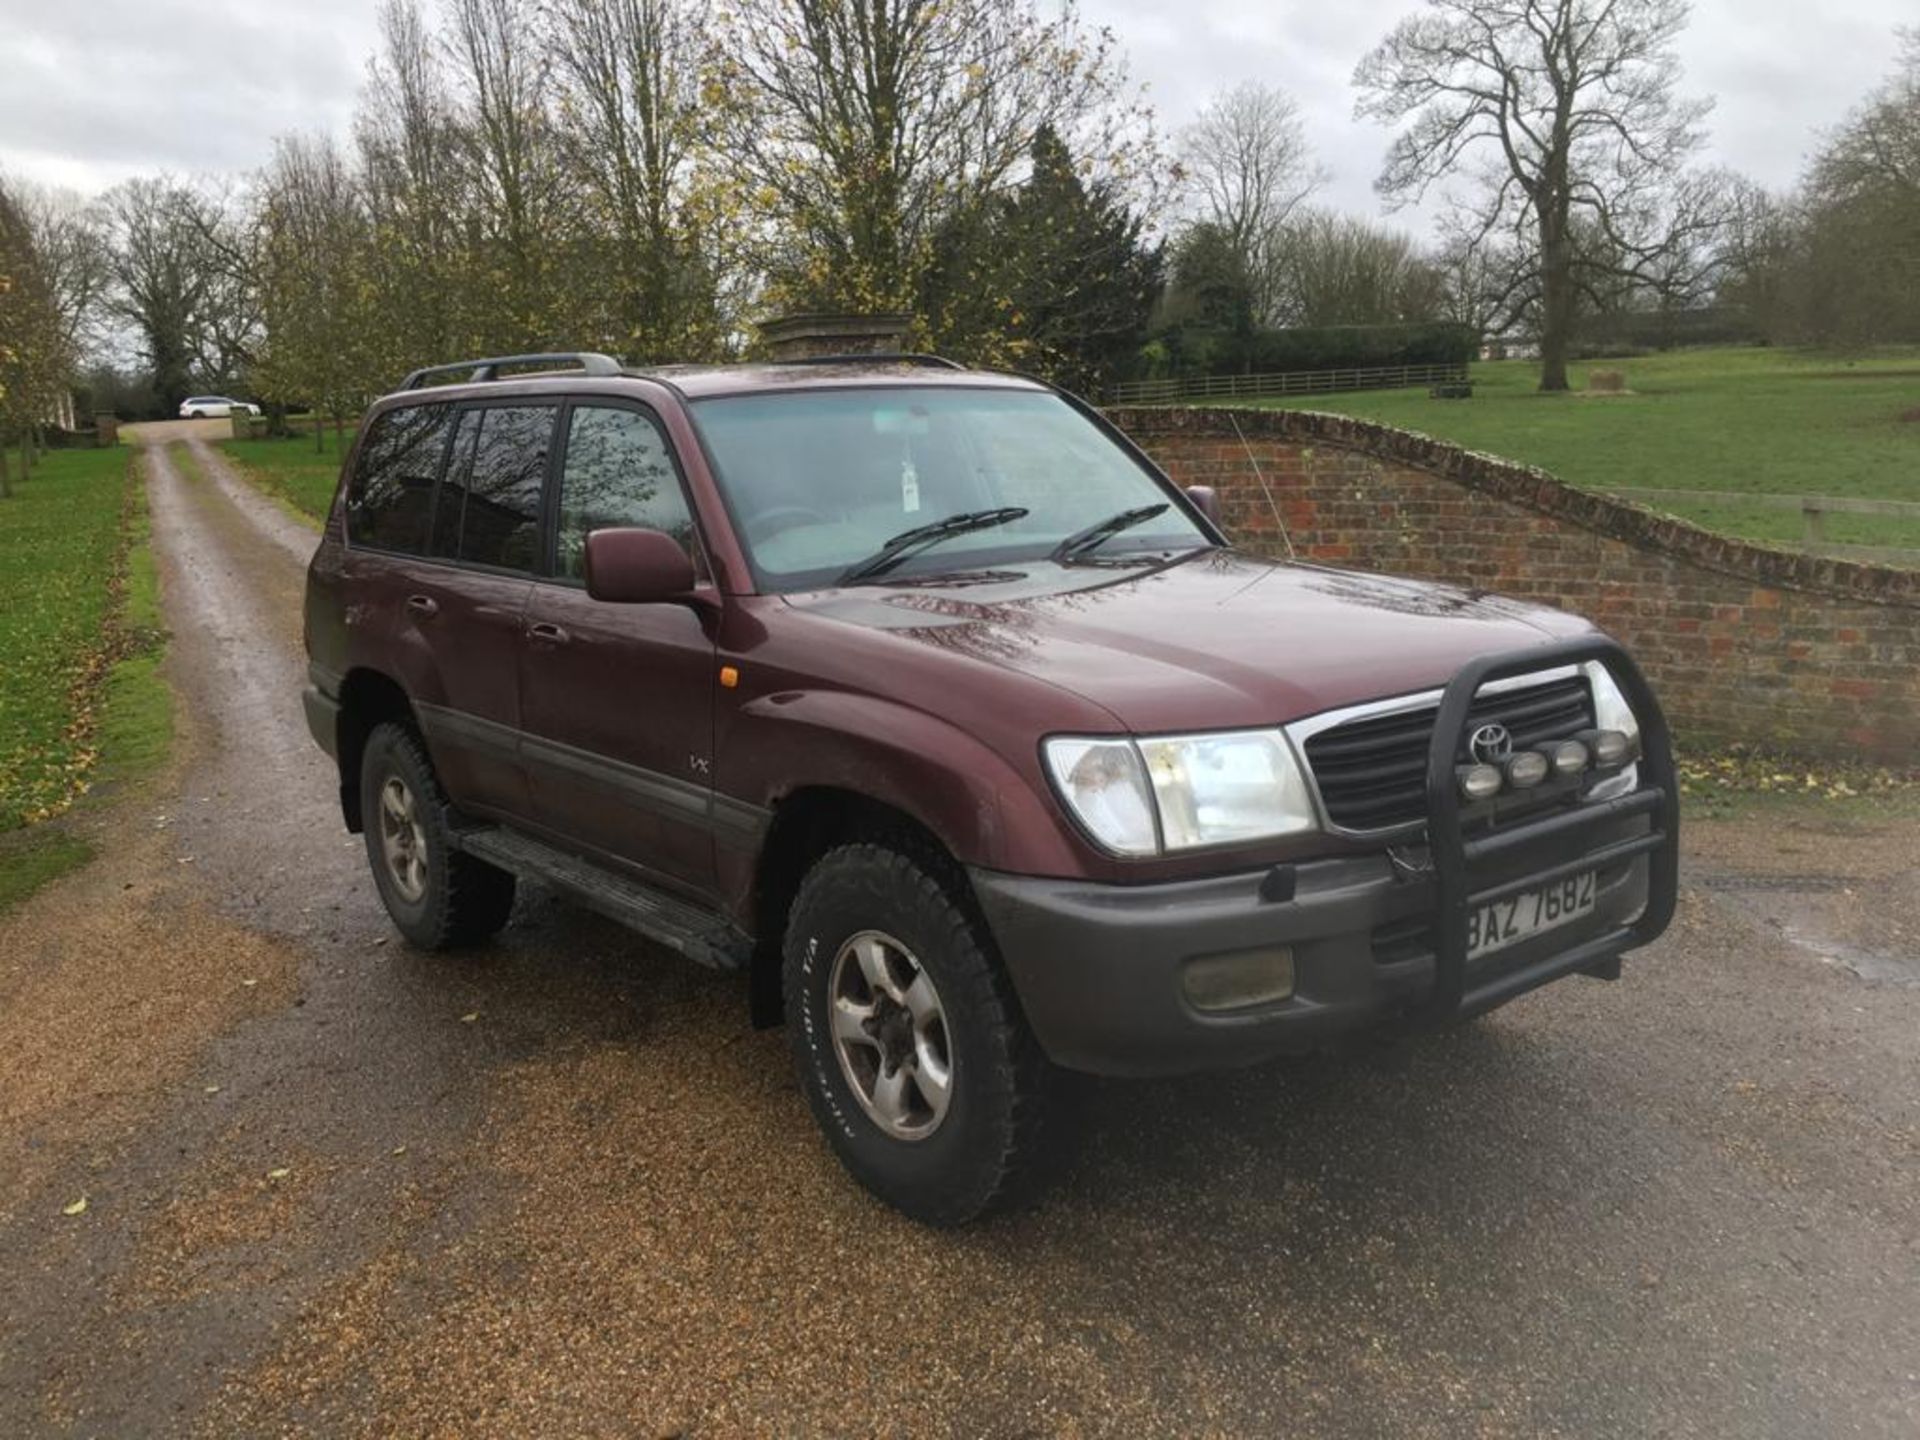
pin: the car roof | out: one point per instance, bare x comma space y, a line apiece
702, 381
698, 382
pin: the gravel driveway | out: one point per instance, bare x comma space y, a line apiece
335, 1186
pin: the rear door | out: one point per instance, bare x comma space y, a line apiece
405, 607
617, 700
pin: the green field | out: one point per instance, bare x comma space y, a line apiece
1761, 421
82, 703
292, 471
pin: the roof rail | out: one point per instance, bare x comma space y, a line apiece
903, 357
589, 361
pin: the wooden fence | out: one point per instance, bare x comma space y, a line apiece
1813, 509
1284, 382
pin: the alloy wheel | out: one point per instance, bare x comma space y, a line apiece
890, 1035
403, 840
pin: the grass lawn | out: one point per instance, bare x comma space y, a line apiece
292, 471
81, 699
1763, 421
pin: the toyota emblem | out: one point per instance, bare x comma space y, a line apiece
1491, 744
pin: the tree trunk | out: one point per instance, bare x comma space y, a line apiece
1556, 301
6, 474
319, 434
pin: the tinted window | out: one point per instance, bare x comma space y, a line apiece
618, 471
390, 497
490, 504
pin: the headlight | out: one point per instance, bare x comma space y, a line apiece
1202, 789
1610, 708
1611, 712
1104, 783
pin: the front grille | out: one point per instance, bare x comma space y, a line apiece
1372, 773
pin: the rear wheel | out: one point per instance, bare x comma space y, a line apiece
907, 1037
438, 896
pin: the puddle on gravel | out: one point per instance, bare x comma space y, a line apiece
1860, 926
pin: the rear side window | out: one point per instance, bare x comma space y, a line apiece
490, 504
618, 471
390, 498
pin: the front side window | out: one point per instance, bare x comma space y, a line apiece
618, 472
489, 510
390, 497
818, 481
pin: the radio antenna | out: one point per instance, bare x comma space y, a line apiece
1265, 489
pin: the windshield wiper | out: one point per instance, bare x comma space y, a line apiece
921, 536
1085, 542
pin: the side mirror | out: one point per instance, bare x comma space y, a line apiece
1205, 501
637, 567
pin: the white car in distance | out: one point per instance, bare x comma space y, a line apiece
214, 407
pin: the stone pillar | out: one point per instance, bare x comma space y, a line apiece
807, 337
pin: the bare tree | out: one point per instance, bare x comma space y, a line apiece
1335, 269
1564, 115
161, 283
1248, 163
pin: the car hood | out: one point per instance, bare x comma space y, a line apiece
1216, 639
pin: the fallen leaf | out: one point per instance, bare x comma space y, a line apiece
399, 1149
213, 1090
470, 1017
78, 1207
282, 1173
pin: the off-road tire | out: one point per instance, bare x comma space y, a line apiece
982, 1155
464, 900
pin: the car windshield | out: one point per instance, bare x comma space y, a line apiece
818, 482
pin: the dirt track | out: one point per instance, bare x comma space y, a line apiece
559, 1187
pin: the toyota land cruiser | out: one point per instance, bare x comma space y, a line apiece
922, 696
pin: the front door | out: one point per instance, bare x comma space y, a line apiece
617, 700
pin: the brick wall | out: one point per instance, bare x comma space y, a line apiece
1742, 642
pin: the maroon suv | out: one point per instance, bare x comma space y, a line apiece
921, 695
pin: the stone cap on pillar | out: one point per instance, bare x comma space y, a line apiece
805, 337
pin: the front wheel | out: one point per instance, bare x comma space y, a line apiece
438, 896
907, 1037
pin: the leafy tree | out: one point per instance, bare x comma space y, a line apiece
1559, 115
316, 254
858, 128
1053, 277
408, 138
36, 360
629, 84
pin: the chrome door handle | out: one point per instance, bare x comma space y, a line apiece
423, 605
547, 633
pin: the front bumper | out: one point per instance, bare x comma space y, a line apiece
323, 719
1100, 968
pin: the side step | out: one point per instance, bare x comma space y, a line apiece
700, 935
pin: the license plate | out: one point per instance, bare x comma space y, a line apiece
1516, 918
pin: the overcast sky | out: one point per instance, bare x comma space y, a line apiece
92, 93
